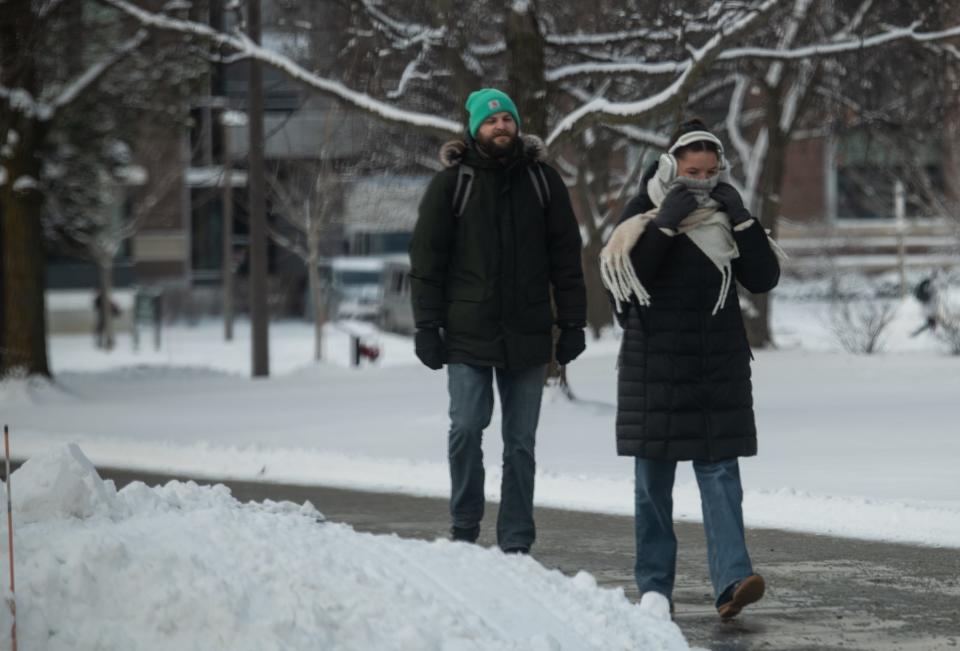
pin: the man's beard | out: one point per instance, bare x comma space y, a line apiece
493, 149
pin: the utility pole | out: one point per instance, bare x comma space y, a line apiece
259, 317
3, 350
227, 269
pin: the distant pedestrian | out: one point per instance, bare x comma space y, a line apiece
495, 234
102, 338
928, 296
684, 391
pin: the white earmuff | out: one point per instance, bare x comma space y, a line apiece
667, 168
667, 165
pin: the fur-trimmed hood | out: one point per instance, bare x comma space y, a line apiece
452, 152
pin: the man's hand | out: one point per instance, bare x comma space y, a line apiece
731, 202
570, 344
429, 347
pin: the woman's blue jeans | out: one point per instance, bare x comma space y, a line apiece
721, 498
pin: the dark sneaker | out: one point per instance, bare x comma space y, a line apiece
741, 594
517, 550
465, 534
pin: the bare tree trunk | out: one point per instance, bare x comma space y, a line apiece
3, 348
464, 79
319, 313
599, 312
950, 13
757, 323
24, 324
105, 271
527, 87
525, 67
23, 258
259, 317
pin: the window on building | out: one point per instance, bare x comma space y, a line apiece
868, 168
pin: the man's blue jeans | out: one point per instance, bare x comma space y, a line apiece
721, 498
471, 407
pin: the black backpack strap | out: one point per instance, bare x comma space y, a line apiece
540, 185
462, 192
465, 173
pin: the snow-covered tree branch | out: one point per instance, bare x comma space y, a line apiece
71, 91
674, 94
242, 45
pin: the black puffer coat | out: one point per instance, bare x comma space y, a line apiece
683, 389
486, 276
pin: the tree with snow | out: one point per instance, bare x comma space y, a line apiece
67, 108
597, 75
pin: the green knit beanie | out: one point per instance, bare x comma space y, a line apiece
485, 102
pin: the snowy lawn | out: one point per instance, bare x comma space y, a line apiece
849, 445
188, 567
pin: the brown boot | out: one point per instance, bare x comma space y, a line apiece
744, 593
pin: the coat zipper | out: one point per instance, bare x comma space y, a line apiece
703, 380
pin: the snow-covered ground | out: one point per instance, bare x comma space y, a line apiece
185, 567
862, 446
849, 445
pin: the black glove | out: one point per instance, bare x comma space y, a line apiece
731, 202
429, 347
679, 203
570, 344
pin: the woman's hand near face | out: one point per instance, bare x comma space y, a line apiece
679, 203
731, 202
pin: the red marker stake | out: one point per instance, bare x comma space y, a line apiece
13, 597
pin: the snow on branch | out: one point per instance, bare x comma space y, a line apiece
643, 136
90, 76
244, 46
627, 36
621, 112
489, 49
635, 134
19, 100
406, 34
409, 73
734, 134
838, 46
562, 40
617, 68
48, 8
842, 47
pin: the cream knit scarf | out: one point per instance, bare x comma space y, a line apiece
708, 228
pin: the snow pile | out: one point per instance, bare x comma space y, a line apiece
62, 483
188, 567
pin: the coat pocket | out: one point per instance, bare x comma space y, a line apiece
468, 293
538, 292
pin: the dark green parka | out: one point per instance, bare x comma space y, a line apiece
485, 277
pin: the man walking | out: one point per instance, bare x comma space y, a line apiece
495, 232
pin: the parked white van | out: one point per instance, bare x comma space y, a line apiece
396, 311
352, 287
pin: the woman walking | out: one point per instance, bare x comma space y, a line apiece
684, 391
